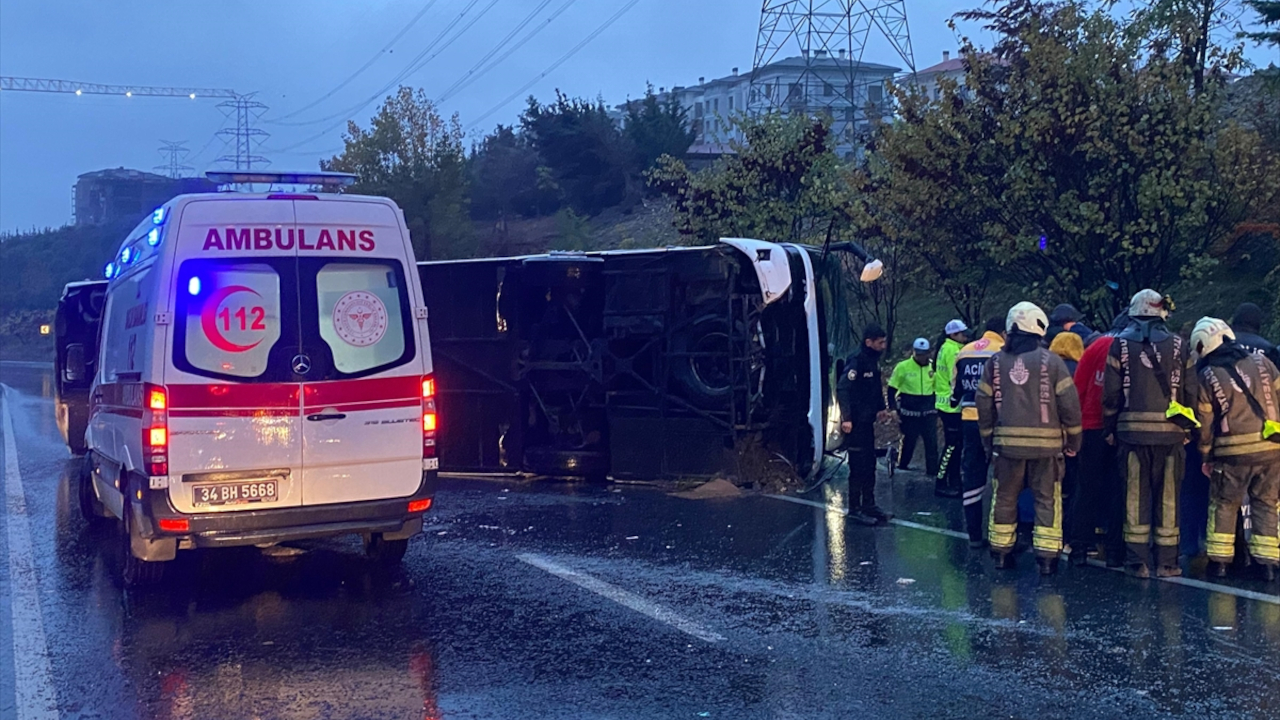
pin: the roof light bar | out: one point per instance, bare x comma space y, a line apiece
326, 179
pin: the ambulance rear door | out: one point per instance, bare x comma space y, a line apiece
362, 431
234, 415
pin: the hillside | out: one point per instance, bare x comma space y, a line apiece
33, 268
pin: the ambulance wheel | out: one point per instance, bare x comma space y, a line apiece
137, 572
385, 552
91, 508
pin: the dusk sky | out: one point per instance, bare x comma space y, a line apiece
293, 53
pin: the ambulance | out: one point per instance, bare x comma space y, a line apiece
263, 375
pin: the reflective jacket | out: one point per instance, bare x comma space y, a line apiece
968, 371
1134, 405
911, 389
1230, 431
942, 372
1027, 406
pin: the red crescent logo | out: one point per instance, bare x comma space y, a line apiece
209, 319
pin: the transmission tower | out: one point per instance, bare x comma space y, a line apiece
823, 42
243, 140
176, 153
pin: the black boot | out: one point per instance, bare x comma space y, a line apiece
1079, 556
1048, 565
881, 517
860, 516
1137, 570
1266, 573
1005, 560
1216, 569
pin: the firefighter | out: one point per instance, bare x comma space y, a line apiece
973, 457
911, 396
947, 483
861, 399
1239, 439
1029, 418
1147, 389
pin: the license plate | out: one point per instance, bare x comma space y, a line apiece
235, 493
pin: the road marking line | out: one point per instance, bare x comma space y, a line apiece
34, 693
1188, 582
622, 597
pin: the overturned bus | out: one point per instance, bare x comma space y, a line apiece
641, 364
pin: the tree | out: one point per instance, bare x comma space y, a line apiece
656, 128
504, 179
583, 150
1103, 167
931, 182
783, 183
1269, 16
413, 156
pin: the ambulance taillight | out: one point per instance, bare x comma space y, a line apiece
428, 417
155, 431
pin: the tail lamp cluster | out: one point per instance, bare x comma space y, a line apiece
429, 422
155, 430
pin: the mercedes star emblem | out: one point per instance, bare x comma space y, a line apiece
301, 364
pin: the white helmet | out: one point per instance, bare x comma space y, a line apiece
1209, 334
1148, 303
1028, 318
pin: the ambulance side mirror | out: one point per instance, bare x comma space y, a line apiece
74, 370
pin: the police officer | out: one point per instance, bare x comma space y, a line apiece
1028, 417
1146, 393
861, 399
1247, 326
970, 363
1239, 438
911, 395
948, 480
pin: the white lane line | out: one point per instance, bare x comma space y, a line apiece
810, 503
622, 597
1187, 582
33, 673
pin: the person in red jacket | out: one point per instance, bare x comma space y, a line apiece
1097, 501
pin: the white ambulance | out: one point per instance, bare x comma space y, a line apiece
263, 375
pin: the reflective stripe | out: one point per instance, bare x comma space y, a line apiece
1260, 446
1265, 547
1001, 536
1015, 431
1113, 362
1235, 440
1162, 427
984, 388
1134, 530
1075, 430
1167, 533
1028, 442
986, 432
1063, 385
1219, 546
1136, 416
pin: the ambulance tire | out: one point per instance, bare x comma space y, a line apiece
136, 572
91, 509
387, 553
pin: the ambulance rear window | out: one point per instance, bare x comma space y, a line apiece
363, 315
229, 316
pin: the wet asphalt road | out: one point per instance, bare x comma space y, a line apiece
543, 600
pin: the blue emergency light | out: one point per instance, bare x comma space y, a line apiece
109, 271
153, 237
157, 217
324, 179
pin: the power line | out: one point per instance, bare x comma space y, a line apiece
563, 59
364, 67
417, 63
473, 75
